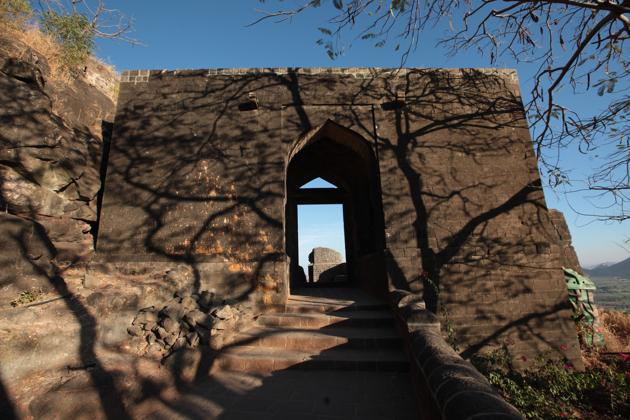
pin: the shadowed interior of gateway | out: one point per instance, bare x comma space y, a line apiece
345, 160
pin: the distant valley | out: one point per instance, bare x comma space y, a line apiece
613, 285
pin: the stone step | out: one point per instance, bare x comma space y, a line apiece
308, 320
265, 360
332, 307
326, 305
317, 340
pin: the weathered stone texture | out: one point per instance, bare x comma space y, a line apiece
50, 148
26, 254
321, 255
198, 169
325, 266
569, 256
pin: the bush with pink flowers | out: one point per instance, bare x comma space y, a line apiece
555, 390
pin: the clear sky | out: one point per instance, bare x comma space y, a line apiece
204, 34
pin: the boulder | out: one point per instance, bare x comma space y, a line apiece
192, 339
160, 332
224, 312
170, 325
196, 327
134, 330
170, 340
196, 317
179, 343
206, 299
174, 311
189, 303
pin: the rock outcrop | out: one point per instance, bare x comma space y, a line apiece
51, 143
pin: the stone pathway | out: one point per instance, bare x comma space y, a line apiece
291, 394
334, 354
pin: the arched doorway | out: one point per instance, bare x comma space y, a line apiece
345, 159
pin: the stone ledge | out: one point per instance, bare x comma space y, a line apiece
458, 390
136, 76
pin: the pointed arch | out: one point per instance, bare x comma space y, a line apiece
339, 133
348, 141
347, 160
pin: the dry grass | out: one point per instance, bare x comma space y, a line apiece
616, 330
27, 37
31, 37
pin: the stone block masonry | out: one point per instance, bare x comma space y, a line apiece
326, 266
441, 190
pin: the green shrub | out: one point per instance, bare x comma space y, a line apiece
448, 329
15, 12
27, 296
74, 33
555, 390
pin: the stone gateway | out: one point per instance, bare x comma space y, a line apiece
435, 170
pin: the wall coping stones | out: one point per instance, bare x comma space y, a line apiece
417, 317
139, 76
458, 390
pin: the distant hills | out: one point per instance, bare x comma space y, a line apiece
620, 269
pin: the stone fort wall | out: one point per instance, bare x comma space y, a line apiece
196, 175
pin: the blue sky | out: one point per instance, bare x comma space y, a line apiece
204, 34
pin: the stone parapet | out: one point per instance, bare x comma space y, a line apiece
457, 390
136, 76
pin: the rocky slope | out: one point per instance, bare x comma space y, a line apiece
51, 143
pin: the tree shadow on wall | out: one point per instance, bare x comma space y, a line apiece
214, 197
454, 140
6, 405
185, 215
477, 211
37, 140
184, 183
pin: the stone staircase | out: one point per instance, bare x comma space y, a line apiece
321, 329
